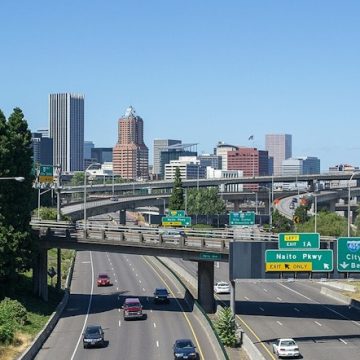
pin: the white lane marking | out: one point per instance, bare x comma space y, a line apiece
280, 299
154, 325
119, 308
116, 280
88, 308
326, 307
136, 274
144, 290
343, 341
296, 309
151, 310
133, 269
139, 281
246, 298
119, 323
265, 290
279, 323
117, 289
157, 343
261, 308
114, 274
317, 323
85, 262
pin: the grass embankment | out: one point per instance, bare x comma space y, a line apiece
38, 311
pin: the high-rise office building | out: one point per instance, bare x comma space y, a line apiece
222, 150
102, 155
88, 146
279, 147
42, 149
161, 144
130, 154
66, 120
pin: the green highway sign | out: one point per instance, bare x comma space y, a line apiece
242, 218
348, 254
299, 241
46, 173
210, 256
299, 260
180, 213
176, 221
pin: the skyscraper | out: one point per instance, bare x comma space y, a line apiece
66, 123
160, 144
131, 155
279, 147
42, 149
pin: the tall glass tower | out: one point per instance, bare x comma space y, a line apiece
66, 124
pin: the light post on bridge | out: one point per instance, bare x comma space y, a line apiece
270, 205
85, 174
351, 177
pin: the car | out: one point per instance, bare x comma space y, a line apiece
114, 198
286, 348
161, 295
132, 309
93, 336
103, 280
184, 349
173, 234
291, 205
222, 287
294, 199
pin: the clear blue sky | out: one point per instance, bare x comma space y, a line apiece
199, 71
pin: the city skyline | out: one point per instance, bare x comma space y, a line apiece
274, 67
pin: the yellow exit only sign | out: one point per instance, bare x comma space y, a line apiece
293, 266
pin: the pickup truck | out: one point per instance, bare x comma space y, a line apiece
132, 309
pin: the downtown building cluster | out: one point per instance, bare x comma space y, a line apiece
63, 144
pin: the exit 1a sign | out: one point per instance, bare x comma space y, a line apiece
299, 241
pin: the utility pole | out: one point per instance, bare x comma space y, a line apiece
58, 218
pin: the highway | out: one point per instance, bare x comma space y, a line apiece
323, 328
151, 338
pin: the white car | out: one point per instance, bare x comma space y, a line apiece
286, 348
222, 287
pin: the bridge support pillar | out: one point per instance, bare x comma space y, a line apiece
232, 297
40, 275
206, 286
58, 270
236, 205
332, 206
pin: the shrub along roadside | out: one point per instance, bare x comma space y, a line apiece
32, 312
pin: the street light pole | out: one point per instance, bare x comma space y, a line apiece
85, 172
315, 211
352, 175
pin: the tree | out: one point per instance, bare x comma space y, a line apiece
205, 202
176, 201
302, 213
16, 241
225, 326
281, 223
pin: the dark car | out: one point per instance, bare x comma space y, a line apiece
161, 295
184, 349
93, 336
103, 280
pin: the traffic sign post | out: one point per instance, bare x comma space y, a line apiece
46, 173
242, 218
176, 221
180, 213
299, 260
348, 254
299, 241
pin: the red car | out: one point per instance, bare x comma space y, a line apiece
103, 280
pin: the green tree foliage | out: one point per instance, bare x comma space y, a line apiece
78, 178
205, 202
226, 327
302, 213
176, 200
281, 223
15, 197
327, 224
47, 213
12, 315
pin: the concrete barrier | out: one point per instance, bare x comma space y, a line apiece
340, 286
340, 297
40, 339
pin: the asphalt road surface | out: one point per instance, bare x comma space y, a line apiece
151, 338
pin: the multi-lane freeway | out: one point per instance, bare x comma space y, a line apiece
267, 310
151, 338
